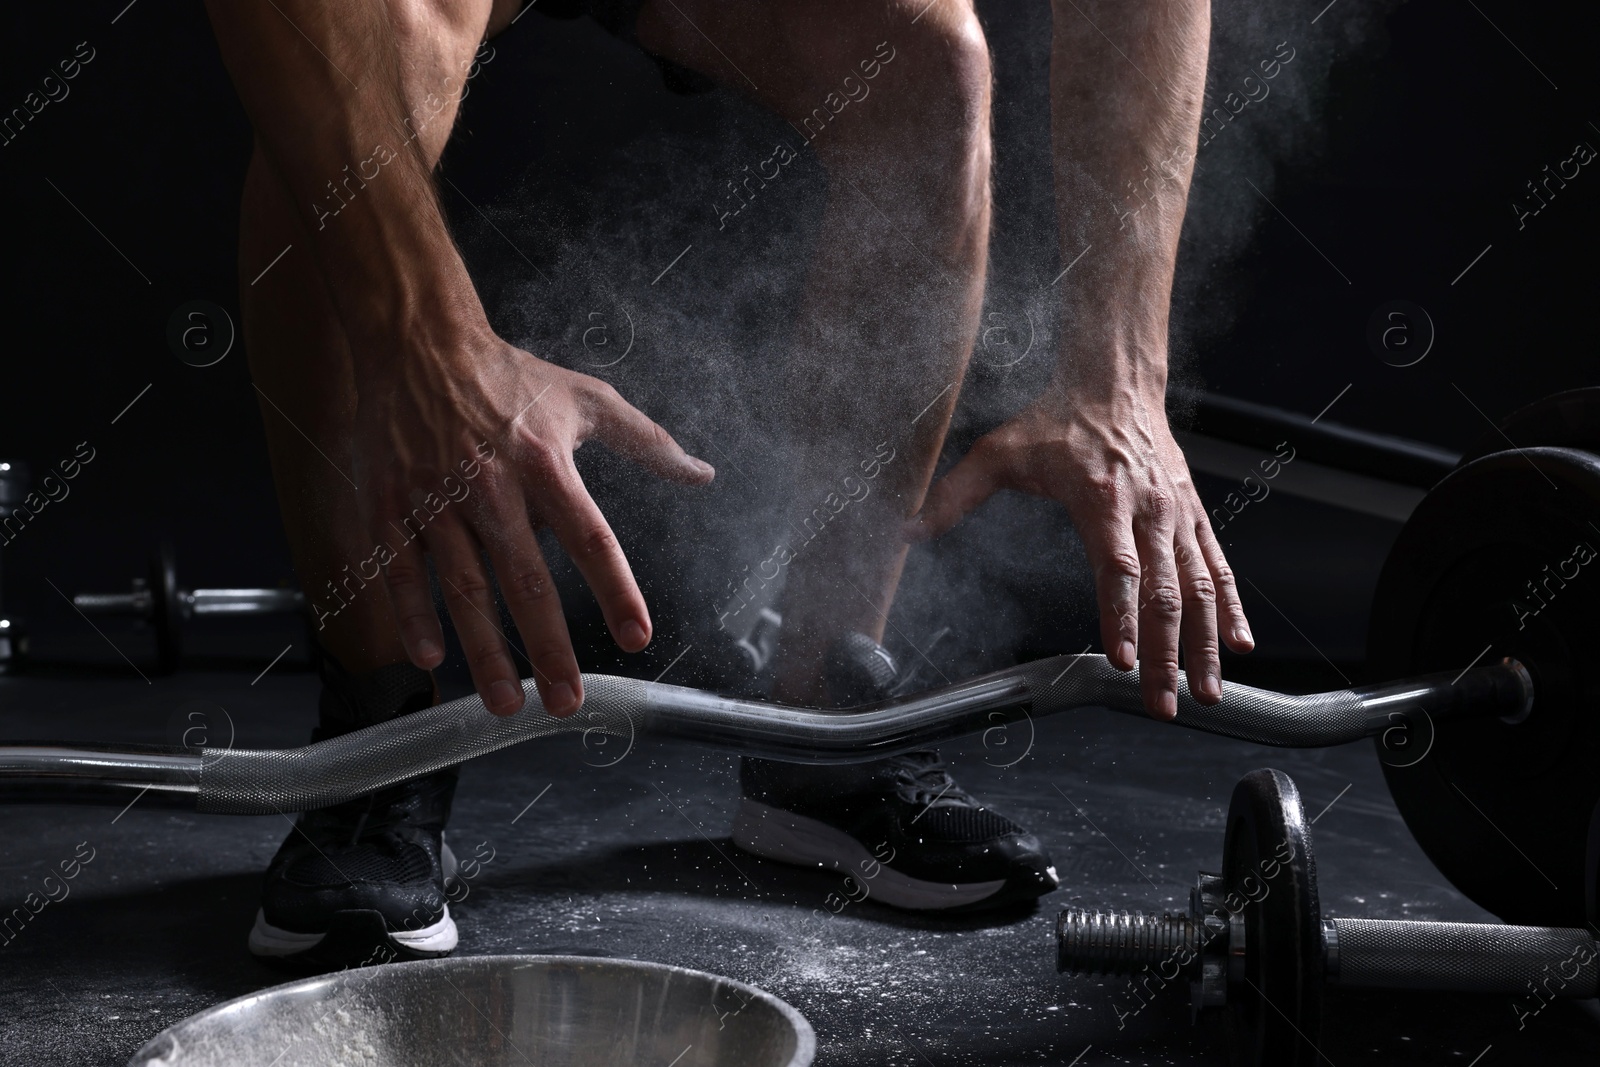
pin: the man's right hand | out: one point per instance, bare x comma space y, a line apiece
433, 382
470, 440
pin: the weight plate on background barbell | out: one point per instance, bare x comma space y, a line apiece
1560, 420
1275, 976
166, 614
1500, 560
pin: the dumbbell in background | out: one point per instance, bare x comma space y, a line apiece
13, 635
1254, 941
159, 602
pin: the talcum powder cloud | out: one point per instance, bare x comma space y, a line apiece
704, 337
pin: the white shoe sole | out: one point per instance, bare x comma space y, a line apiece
440, 937
789, 838
268, 940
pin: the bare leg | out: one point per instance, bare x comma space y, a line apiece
888, 322
897, 108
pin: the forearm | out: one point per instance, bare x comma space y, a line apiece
322, 86
1126, 80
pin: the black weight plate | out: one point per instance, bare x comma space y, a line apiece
1500, 560
1561, 420
166, 616
1275, 1013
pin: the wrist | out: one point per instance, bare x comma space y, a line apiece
427, 318
399, 283
1111, 371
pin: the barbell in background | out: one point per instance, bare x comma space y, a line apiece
158, 601
14, 483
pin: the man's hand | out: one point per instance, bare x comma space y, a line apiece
473, 447
1160, 574
462, 444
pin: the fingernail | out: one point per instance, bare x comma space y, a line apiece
1211, 685
1241, 635
1126, 652
562, 699
633, 636
1167, 704
504, 697
702, 466
428, 648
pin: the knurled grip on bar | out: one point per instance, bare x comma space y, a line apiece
1461, 957
264, 781
1101, 942
1244, 712
1544, 962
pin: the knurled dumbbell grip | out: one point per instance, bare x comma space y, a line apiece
1464, 957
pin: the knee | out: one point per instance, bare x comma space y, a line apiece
881, 79
946, 75
876, 69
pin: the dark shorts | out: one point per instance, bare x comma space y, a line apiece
618, 18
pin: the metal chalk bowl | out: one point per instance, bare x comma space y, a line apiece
484, 1011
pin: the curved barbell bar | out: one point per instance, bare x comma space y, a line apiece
264, 781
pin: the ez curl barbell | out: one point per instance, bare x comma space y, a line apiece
1489, 746
1485, 609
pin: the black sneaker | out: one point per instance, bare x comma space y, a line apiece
363, 882
901, 826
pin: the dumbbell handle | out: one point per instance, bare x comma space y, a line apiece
1461, 957
137, 602
195, 602
243, 601
1369, 953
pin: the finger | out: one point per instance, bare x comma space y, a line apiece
535, 605
576, 520
1100, 514
968, 484
1160, 608
632, 434
469, 597
1231, 621
1199, 627
405, 577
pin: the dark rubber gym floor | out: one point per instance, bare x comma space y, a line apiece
634, 860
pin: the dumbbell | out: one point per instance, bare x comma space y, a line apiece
13, 636
164, 606
1254, 942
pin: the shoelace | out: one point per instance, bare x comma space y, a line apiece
921, 778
